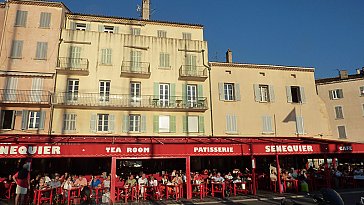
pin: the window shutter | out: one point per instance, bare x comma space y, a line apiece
156, 91
116, 29
155, 123
41, 52
45, 20
64, 126
16, 49
93, 123
234, 125
342, 132
256, 92
267, 124
289, 94
221, 91
161, 60
88, 27
185, 123
201, 124
330, 94
42, 120
228, 123
24, 122
264, 119
339, 112
101, 28
21, 18
111, 123
361, 91
200, 92
173, 93
172, 124
143, 123
271, 93
303, 96
299, 125
184, 94
72, 25
340, 93
125, 126
237, 92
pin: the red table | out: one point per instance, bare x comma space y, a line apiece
294, 184
218, 187
200, 189
40, 197
121, 190
240, 187
74, 192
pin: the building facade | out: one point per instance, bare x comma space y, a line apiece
29, 38
344, 100
266, 101
130, 77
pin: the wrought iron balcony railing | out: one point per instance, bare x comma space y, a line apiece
9, 96
128, 101
190, 72
73, 64
135, 69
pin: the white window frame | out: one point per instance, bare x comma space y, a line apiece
81, 26
72, 89
104, 90
166, 128
134, 123
109, 29
342, 112
21, 18
2, 115
34, 119
193, 121
164, 94
135, 31
135, 93
229, 92
103, 123
69, 122
162, 34
361, 90
335, 94
264, 93
192, 95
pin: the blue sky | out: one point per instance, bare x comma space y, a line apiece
325, 34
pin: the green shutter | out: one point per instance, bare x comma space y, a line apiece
237, 92
111, 123
201, 124
184, 94
143, 126
289, 94
256, 92
156, 91
172, 124
173, 94
42, 120
185, 124
199, 92
24, 122
101, 28
155, 123
221, 91
125, 124
303, 96
271, 93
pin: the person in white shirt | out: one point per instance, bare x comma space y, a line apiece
153, 182
142, 181
218, 178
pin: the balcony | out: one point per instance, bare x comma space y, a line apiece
127, 102
76, 66
19, 97
134, 69
194, 73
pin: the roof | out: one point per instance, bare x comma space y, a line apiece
338, 79
258, 66
40, 3
123, 20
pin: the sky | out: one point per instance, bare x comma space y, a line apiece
325, 34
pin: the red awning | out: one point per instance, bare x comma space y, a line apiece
45, 146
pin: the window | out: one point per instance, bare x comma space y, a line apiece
36, 91
134, 123
21, 18
231, 124
164, 60
135, 93
41, 52
72, 89
80, 26
45, 20
336, 94
193, 124
135, 31
191, 65
263, 93
164, 123
109, 29
186, 36
361, 91
10, 89
299, 125
7, 119
164, 95
106, 56
102, 122
342, 132
75, 57
69, 122
162, 34
135, 58
295, 94
229, 91
34, 120
339, 112
16, 49
191, 95
104, 90
267, 124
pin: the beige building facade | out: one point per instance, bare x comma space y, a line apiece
29, 38
130, 77
252, 100
344, 100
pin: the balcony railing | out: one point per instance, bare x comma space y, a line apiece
127, 101
8, 96
73, 65
189, 72
135, 69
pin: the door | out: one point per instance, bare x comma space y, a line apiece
72, 89
75, 57
191, 68
104, 91
164, 95
135, 61
191, 95
135, 94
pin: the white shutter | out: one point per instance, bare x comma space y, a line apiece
303, 95
93, 123
271, 93
36, 91
111, 123
299, 125
16, 49
221, 91
45, 20
256, 92
10, 90
143, 123
289, 94
267, 124
228, 124
41, 52
237, 91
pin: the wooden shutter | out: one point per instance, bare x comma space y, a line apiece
342, 132
221, 91
101, 28
184, 94
172, 124
289, 94
42, 120
201, 124
111, 123
256, 92
45, 20
303, 95
237, 91
299, 125
156, 90
93, 123
228, 124
339, 112
25, 117
271, 93
116, 29
125, 125
16, 49
185, 123
155, 123
21, 18
88, 27
267, 124
340, 93
173, 94
41, 52
73, 25
143, 123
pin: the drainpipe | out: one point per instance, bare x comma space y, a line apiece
209, 73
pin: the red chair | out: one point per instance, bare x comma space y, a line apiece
273, 186
42, 196
198, 190
240, 187
10, 189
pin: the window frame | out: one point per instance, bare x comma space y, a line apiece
24, 20
46, 16
266, 97
134, 123
336, 94
106, 56
41, 52
103, 122
16, 51
298, 95
186, 36
80, 26
164, 60
229, 93
108, 29
2, 119
104, 90
161, 129
338, 131
69, 122
136, 31
33, 120
337, 117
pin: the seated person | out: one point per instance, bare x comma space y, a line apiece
165, 179
80, 181
95, 182
106, 182
153, 182
218, 178
67, 185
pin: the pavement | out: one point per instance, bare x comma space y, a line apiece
350, 196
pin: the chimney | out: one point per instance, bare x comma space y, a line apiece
343, 74
229, 56
145, 9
